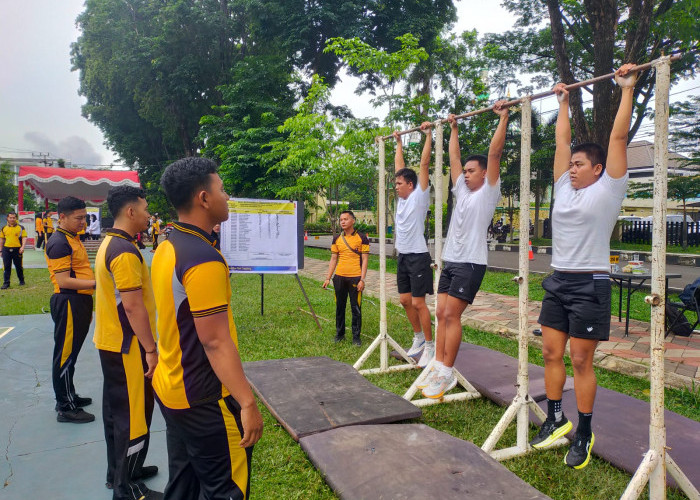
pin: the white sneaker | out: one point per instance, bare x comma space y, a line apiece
428, 379
417, 346
428, 354
439, 386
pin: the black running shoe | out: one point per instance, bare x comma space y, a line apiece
579, 453
550, 432
81, 402
145, 472
77, 416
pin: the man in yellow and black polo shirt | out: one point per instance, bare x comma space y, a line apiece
39, 227
211, 415
71, 306
155, 231
349, 259
47, 222
124, 326
13, 237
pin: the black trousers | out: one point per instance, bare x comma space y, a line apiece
127, 410
346, 286
39, 240
204, 459
155, 241
72, 315
11, 256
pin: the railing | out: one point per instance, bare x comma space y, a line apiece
640, 232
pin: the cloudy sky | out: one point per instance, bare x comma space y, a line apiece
39, 102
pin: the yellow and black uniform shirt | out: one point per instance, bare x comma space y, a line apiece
65, 253
190, 280
13, 235
349, 262
48, 224
119, 268
156, 227
39, 225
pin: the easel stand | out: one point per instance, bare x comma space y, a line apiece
383, 340
301, 287
657, 461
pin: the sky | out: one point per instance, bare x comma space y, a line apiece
39, 101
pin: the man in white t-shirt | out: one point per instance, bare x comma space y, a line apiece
588, 191
476, 190
414, 276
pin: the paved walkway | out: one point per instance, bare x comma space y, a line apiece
499, 314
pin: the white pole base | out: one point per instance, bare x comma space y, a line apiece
651, 461
383, 340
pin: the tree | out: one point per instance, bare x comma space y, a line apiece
680, 188
684, 122
8, 192
567, 40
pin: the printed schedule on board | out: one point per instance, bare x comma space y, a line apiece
261, 236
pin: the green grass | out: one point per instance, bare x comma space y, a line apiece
502, 283
30, 298
281, 469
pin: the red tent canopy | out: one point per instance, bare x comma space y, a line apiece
53, 184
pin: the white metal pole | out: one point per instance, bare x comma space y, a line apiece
524, 269
381, 203
439, 152
657, 427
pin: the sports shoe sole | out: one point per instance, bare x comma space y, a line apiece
560, 432
426, 381
588, 457
449, 387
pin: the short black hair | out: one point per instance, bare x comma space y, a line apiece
12, 212
120, 196
594, 152
69, 204
349, 212
184, 177
480, 159
409, 175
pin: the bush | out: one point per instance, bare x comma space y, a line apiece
318, 227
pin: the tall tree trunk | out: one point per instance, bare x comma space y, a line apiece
581, 130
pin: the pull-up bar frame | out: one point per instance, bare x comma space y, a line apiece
656, 461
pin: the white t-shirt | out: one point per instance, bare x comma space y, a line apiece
582, 222
410, 221
471, 216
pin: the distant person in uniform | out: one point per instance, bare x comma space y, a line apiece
71, 306
155, 231
216, 234
39, 227
124, 336
13, 238
210, 412
414, 276
48, 226
349, 259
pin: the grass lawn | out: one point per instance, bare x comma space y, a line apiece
280, 468
502, 283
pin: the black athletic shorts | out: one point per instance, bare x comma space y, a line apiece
578, 304
461, 280
414, 275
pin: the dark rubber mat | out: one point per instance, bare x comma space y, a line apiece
621, 428
310, 395
410, 461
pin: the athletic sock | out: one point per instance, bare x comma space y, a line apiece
554, 411
584, 424
429, 343
445, 371
418, 336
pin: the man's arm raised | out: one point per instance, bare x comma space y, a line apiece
562, 134
616, 163
456, 169
398, 156
493, 166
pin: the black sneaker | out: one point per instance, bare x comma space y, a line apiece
356, 341
81, 402
4, 286
338, 338
21, 283
550, 432
77, 416
145, 472
579, 453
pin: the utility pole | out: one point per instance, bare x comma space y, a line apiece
44, 156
